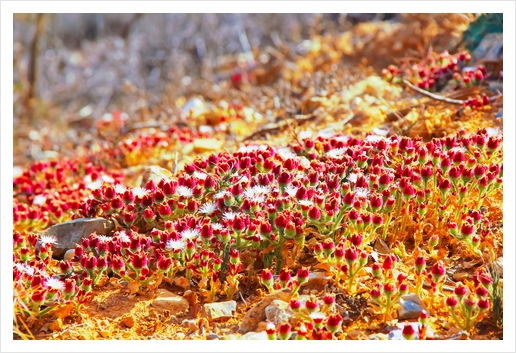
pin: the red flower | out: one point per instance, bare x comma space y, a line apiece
483, 304
295, 305
408, 332
438, 271
333, 323
452, 302
314, 214
284, 331
164, 263
302, 275
139, 260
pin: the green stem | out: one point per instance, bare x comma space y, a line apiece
386, 226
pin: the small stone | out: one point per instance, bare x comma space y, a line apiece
212, 336
379, 337
166, 300
255, 336
155, 173
191, 325
104, 333
411, 306
257, 313
220, 311
276, 312
180, 336
69, 234
69, 254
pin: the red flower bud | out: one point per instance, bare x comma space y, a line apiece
314, 214
420, 264
302, 275
139, 260
483, 304
164, 263
295, 305
408, 332
438, 271
284, 331
267, 278
333, 323
311, 305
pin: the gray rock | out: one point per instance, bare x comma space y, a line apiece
212, 336
256, 314
277, 312
166, 300
490, 48
220, 311
411, 306
69, 234
180, 336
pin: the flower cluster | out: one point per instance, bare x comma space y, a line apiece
37, 290
49, 192
255, 209
467, 307
318, 320
434, 73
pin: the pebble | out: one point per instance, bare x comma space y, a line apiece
257, 313
191, 325
69, 234
166, 300
277, 312
212, 336
180, 336
411, 306
69, 254
220, 311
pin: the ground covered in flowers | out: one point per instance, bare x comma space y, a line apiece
365, 210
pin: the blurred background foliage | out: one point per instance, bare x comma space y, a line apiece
71, 69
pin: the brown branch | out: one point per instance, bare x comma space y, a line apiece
432, 95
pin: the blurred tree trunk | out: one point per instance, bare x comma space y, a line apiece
32, 66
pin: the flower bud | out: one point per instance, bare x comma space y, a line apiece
350, 255
302, 275
333, 323
483, 305
408, 332
420, 264
284, 278
438, 271
328, 247
318, 249
376, 270
271, 331
284, 331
